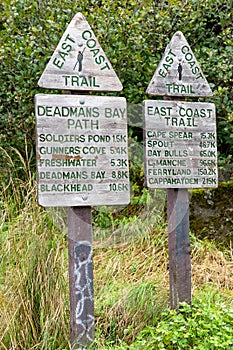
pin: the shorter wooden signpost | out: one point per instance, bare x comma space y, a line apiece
82, 155
180, 150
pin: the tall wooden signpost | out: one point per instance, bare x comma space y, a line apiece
82, 155
180, 150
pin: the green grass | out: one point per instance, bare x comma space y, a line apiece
33, 290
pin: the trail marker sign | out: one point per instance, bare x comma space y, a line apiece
180, 144
79, 63
178, 73
82, 150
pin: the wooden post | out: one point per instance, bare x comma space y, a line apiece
80, 276
81, 279
179, 246
99, 180
178, 243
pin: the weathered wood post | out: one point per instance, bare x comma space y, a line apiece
82, 155
179, 246
81, 276
178, 243
180, 150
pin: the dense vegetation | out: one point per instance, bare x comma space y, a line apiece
130, 244
133, 35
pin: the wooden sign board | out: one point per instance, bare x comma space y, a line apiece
180, 144
79, 63
82, 151
179, 73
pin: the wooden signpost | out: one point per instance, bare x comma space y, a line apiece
82, 155
180, 150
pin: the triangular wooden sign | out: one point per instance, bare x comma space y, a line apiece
178, 73
79, 63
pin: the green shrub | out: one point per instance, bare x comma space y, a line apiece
133, 35
205, 325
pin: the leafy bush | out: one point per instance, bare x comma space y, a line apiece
132, 33
205, 325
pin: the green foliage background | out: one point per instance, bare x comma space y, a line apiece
133, 35
34, 295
